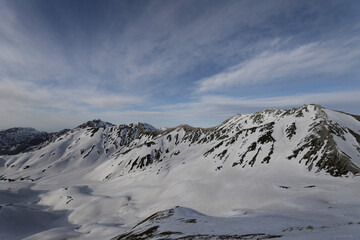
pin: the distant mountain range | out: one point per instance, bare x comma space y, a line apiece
18, 140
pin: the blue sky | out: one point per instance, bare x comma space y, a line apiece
171, 62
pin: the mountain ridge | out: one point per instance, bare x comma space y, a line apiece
321, 134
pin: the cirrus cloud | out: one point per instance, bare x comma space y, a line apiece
305, 60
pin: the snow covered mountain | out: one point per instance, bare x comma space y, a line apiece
101, 180
16, 140
13, 136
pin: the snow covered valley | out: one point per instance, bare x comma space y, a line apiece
275, 174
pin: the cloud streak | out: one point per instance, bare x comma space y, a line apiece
305, 60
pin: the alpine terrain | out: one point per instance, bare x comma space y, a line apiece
274, 174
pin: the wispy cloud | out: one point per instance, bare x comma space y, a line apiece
20, 93
22, 102
302, 61
113, 101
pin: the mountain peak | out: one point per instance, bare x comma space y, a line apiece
147, 127
95, 123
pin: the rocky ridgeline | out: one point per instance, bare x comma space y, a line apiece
306, 135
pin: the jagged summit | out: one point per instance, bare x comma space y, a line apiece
95, 123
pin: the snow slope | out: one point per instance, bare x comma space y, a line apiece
255, 176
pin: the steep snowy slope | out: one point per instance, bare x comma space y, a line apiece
274, 167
